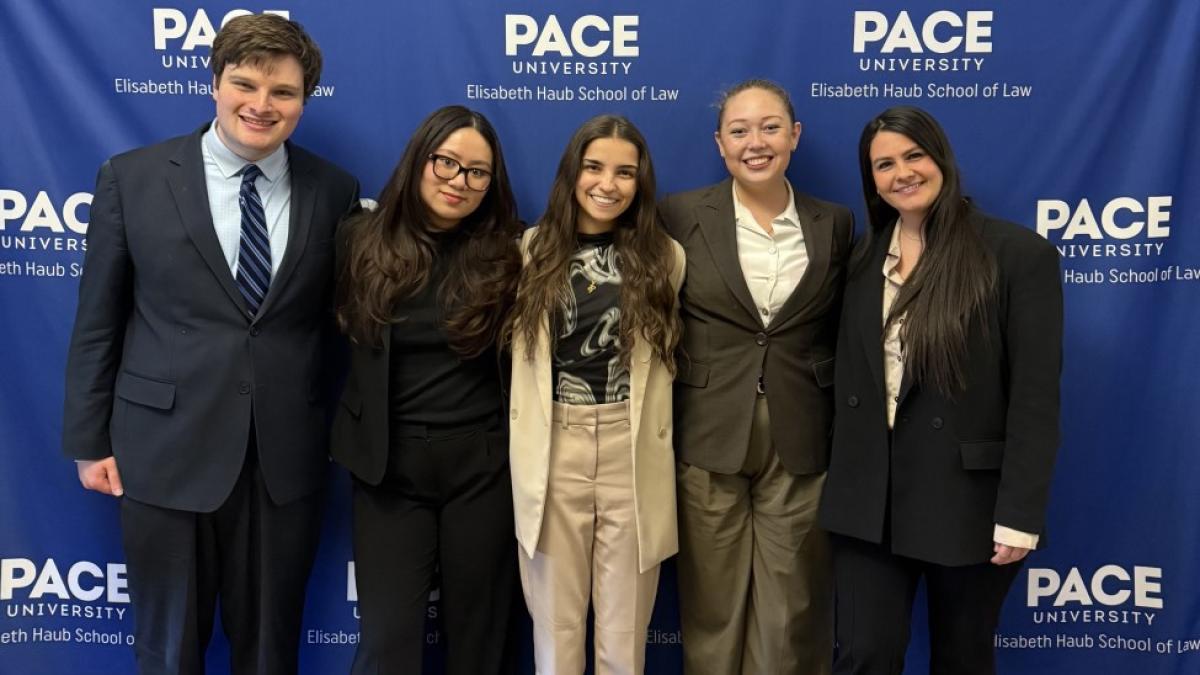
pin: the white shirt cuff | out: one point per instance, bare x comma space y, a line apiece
1016, 538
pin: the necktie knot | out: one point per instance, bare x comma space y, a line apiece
250, 173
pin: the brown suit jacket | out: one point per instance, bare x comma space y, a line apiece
725, 347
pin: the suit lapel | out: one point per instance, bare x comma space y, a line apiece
639, 373
868, 290
542, 371
715, 213
303, 201
185, 176
817, 227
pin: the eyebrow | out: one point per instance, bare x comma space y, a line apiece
764, 119
589, 160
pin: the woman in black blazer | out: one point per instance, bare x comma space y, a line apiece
425, 281
947, 398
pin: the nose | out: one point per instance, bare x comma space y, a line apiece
756, 138
903, 170
607, 181
261, 101
459, 181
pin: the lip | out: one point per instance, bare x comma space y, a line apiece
452, 199
909, 189
762, 165
257, 123
613, 201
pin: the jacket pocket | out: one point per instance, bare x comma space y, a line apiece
823, 371
693, 374
982, 455
144, 391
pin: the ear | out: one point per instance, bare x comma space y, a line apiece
214, 88
796, 128
720, 148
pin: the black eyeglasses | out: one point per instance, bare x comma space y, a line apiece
448, 168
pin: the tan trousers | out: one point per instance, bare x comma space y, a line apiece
588, 549
755, 578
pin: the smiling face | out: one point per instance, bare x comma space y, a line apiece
259, 105
607, 183
756, 137
447, 202
906, 177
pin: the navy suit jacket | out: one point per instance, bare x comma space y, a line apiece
166, 369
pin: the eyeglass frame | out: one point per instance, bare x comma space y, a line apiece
433, 158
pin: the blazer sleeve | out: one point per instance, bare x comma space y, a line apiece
1033, 331
97, 340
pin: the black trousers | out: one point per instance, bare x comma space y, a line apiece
875, 591
445, 505
251, 553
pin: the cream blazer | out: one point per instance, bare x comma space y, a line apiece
530, 409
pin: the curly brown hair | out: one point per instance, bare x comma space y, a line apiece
643, 253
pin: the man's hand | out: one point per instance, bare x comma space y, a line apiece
1008, 554
100, 475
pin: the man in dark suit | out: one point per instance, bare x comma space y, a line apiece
195, 378
753, 400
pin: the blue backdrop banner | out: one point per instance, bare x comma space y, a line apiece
1078, 121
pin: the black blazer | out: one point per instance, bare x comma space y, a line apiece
166, 369
956, 466
725, 347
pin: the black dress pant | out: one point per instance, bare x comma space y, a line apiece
444, 505
252, 554
875, 590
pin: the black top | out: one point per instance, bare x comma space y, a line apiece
587, 361
430, 383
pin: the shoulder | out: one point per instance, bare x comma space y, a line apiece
155, 153
676, 206
840, 212
1010, 241
331, 175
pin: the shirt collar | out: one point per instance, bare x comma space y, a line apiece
230, 164
789, 217
893, 256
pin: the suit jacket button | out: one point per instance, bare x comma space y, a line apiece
760, 339
244, 388
253, 330
852, 401
936, 423
513, 413
662, 432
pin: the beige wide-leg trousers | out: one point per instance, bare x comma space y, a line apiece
588, 549
755, 575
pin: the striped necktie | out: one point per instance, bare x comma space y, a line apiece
254, 251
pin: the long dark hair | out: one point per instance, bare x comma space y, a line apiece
391, 250
952, 282
643, 252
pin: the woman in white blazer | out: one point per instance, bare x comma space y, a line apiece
593, 333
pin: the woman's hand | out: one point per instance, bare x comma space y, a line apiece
1007, 554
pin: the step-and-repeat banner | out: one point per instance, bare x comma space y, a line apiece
1078, 120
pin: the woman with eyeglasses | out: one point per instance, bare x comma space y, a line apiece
947, 398
593, 332
424, 283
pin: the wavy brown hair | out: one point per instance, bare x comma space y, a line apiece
390, 251
644, 253
955, 276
